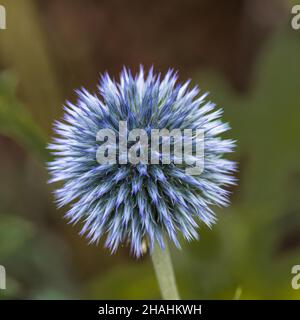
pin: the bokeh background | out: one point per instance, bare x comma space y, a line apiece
244, 52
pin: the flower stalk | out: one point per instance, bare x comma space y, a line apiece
163, 267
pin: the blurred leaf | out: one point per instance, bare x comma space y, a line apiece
14, 232
128, 281
16, 122
13, 289
50, 294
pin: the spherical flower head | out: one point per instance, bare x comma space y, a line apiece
137, 202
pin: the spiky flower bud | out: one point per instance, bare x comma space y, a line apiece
132, 202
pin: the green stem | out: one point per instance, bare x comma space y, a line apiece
164, 272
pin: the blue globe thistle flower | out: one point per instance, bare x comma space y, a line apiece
130, 203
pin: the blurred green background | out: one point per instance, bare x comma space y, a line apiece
244, 52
